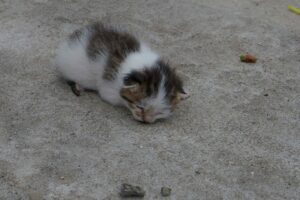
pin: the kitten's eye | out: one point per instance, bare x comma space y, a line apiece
127, 80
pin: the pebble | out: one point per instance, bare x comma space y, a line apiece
128, 190
165, 191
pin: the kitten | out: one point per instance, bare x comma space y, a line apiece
123, 70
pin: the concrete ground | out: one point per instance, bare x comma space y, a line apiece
237, 137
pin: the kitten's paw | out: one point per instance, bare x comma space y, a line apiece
76, 89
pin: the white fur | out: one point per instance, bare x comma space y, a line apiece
137, 60
74, 64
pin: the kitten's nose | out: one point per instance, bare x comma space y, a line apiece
148, 119
139, 117
143, 117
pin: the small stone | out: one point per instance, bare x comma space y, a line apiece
248, 58
198, 171
165, 191
62, 178
128, 190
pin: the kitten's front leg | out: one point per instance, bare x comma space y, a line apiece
76, 89
109, 92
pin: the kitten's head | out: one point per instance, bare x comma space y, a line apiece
153, 92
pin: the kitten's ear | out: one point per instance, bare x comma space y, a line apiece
132, 88
183, 94
131, 93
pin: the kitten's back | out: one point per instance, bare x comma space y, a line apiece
94, 52
116, 44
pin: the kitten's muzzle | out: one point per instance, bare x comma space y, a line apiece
143, 115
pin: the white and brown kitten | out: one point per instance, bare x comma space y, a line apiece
123, 70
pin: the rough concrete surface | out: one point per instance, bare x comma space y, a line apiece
237, 137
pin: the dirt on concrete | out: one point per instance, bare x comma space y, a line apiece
227, 141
